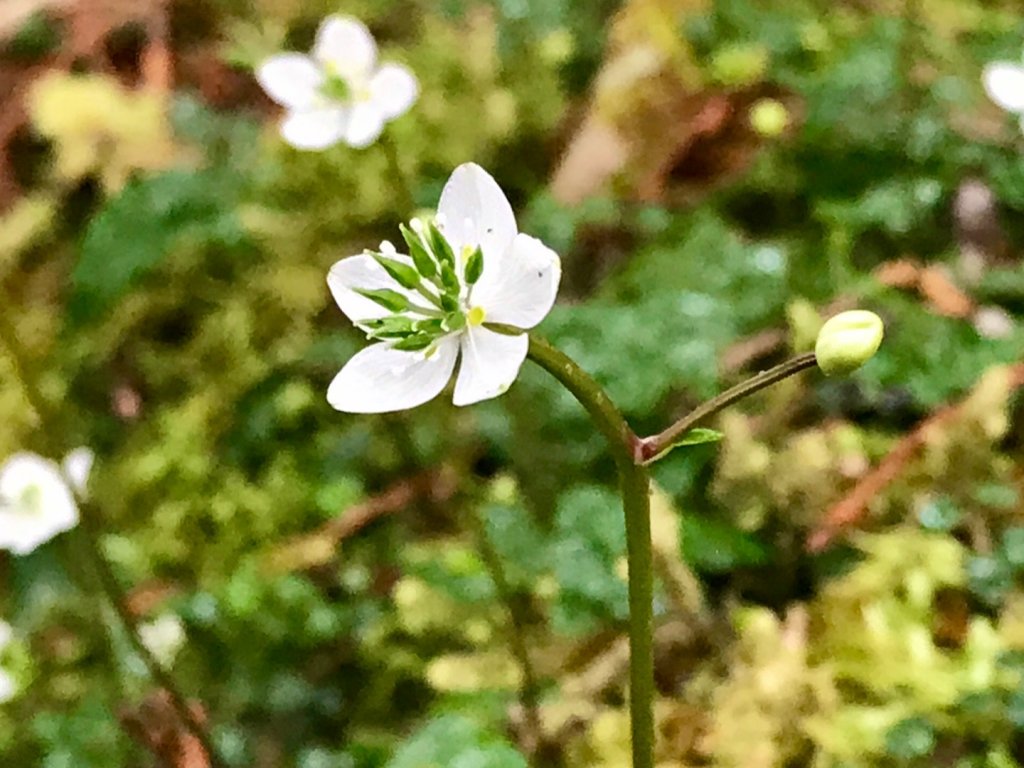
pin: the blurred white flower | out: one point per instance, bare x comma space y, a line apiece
8, 688
77, 466
7, 685
35, 502
163, 637
337, 93
467, 269
1004, 84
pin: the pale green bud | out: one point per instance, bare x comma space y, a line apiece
769, 117
847, 341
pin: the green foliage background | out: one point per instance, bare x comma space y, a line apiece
166, 266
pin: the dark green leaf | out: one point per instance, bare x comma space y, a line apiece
137, 229
716, 546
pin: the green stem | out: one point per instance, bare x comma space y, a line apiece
653, 448
621, 439
529, 693
50, 425
18, 357
634, 484
115, 598
408, 205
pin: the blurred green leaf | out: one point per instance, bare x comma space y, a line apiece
716, 546
911, 738
139, 228
455, 741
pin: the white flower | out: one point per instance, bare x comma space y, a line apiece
468, 269
337, 93
1004, 84
8, 688
35, 502
163, 637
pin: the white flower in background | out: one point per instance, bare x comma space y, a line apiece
337, 93
8, 688
467, 269
7, 685
163, 637
35, 501
1004, 84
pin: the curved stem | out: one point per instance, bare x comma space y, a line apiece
49, 423
115, 597
654, 447
621, 439
634, 484
530, 690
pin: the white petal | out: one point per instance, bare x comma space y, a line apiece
77, 466
1004, 83
476, 212
365, 122
393, 90
345, 45
23, 526
7, 687
316, 129
380, 379
519, 286
490, 363
290, 79
364, 273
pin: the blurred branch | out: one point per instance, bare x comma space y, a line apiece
653, 447
50, 426
313, 549
854, 506
530, 690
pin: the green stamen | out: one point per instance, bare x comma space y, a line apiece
336, 88
473, 258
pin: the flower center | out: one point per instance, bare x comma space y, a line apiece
336, 88
437, 284
28, 504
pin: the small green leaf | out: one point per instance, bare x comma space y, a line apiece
420, 255
444, 251
450, 279
390, 300
403, 274
414, 343
449, 303
474, 266
698, 436
389, 327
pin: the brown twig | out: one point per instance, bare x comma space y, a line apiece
316, 548
854, 506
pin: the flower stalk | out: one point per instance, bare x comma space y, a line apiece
104, 577
635, 487
654, 447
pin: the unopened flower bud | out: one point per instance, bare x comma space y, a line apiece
847, 341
